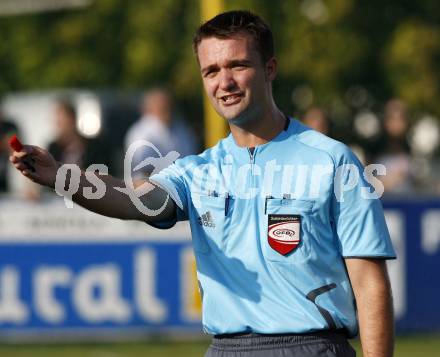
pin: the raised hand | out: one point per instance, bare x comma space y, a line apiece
36, 164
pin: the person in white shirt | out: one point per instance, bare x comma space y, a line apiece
159, 126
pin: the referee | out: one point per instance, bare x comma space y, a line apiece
289, 240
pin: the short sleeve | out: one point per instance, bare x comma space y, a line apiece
357, 217
172, 180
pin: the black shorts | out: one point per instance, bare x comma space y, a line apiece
320, 344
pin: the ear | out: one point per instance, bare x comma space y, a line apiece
271, 69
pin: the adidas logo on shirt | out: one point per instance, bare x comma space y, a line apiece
206, 220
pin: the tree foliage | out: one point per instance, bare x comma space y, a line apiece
329, 46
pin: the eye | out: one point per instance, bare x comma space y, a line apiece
210, 73
240, 67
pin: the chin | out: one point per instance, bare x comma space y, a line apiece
241, 119
233, 117
234, 114
228, 114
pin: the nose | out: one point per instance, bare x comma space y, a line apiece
227, 82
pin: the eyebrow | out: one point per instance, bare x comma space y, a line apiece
209, 68
239, 62
229, 64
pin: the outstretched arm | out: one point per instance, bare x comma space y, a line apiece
39, 166
371, 286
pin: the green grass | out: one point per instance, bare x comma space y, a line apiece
414, 346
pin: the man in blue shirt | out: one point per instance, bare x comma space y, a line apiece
289, 236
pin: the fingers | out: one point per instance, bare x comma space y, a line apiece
26, 169
15, 160
33, 176
23, 160
26, 151
29, 152
27, 160
25, 165
20, 166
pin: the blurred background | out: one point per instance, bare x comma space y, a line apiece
85, 78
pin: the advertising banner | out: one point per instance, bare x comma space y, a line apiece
74, 274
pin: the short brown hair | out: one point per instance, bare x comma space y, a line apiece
229, 24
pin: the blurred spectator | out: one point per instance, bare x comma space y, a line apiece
317, 119
160, 127
7, 129
69, 146
396, 125
393, 149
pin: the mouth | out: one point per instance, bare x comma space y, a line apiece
231, 99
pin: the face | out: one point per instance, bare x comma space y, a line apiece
396, 124
236, 81
316, 119
65, 124
158, 104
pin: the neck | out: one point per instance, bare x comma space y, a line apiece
260, 129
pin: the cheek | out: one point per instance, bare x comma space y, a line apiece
210, 87
246, 79
243, 79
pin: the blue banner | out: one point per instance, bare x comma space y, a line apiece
84, 275
147, 286
415, 229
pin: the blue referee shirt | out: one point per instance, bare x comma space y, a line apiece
271, 228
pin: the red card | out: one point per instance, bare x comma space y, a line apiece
15, 144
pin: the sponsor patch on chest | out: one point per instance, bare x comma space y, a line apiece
284, 232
